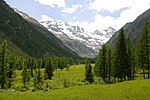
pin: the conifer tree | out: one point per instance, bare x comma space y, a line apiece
121, 62
31, 68
39, 76
131, 66
88, 72
146, 44
143, 49
38, 79
3, 65
11, 70
25, 76
48, 69
101, 63
109, 63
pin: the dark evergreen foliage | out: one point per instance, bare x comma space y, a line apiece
88, 72
11, 70
30, 38
3, 65
143, 49
103, 64
25, 76
121, 63
48, 69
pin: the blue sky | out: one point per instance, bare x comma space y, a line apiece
89, 14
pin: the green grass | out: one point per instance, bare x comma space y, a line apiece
74, 76
131, 90
75, 72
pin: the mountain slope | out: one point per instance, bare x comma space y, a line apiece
11, 47
30, 37
85, 43
132, 29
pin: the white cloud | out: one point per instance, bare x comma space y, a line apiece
74, 18
72, 9
136, 7
133, 12
45, 18
110, 5
52, 3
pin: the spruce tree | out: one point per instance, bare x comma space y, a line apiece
88, 72
121, 62
39, 78
25, 76
48, 69
11, 70
146, 44
143, 49
109, 63
32, 67
131, 66
3, 65
101, 69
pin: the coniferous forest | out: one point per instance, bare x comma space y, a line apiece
36, 64
113, 64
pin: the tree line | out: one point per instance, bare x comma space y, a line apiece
119, 63
113, 64
30, 67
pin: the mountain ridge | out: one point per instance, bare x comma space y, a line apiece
33, 39
132, 29
90, 41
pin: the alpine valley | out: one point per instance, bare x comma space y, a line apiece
84, 43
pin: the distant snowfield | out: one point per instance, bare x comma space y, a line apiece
91, 39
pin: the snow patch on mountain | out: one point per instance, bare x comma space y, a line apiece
85, 43
91, 39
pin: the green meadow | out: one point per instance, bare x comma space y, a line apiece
76, 89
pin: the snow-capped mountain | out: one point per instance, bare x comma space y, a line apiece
85, 43
91, 40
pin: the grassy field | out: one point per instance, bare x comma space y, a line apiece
130, 90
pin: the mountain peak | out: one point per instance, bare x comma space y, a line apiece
77, 38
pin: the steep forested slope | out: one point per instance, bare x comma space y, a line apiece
31, 38
133, 28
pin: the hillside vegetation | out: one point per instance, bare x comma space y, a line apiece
30, 37
132, 29
131, 90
